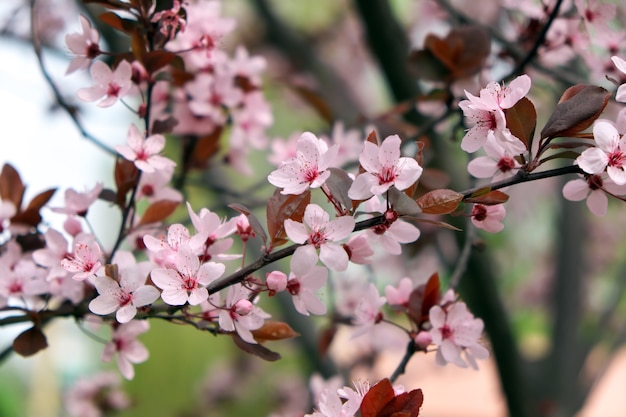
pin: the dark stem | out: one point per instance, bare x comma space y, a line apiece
401, 368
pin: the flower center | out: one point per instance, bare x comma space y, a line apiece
479, 212
293, 286
617, 159
506, 164
446, 332
387, 175
317, 238
594, 182
113, 90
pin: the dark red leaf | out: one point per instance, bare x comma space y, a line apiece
578, 108
126, 176
488, 198
376, 398
41, 199
255, 349
11, 186
30, 342
521, 119
164, 126
158, 211
407, 404
282, 207
431, 295
338, 185
115, 21
443, 201
155, 60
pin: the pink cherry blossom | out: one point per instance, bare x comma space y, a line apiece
367, 312
330, 404
499, 164
384, 167
170, 21
83, 45
212, 235
51, 256
187, 283
488, 218
240, 315
486, 114
359, 250
309, 169
593, 188
129, 350
96, 396
393, 231
77, 203
610, 153
144, 152
85, 260
126, 295
305, 278
455, 331
319, 232
110, 85
276, 282
163, 249
399, 296
244, 230
20, 277
621, 91
155, 186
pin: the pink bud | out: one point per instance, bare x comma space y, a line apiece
423, 340
276, 281
242, 307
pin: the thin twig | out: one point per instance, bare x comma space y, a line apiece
69, 109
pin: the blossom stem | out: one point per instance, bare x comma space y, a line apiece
401, 368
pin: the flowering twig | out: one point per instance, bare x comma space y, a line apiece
69, 109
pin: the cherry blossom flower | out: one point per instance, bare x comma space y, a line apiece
155, 186
83, 45
358, 249
399, 296
170, 21
125, 295
309, 169
51, 256
331, 405
488, 218
212, 235
85, 260
620, 95
320, 233
96, 396
77, 203
350, 142
240, 314
244, 230
20, 278
129, 350
499, 163
455, 331
163, 250
486, 114
610, 153
110, 85
144, 152
367, 312
593, 189
188, 281
384, 167
393, 231
305, 278
283, 149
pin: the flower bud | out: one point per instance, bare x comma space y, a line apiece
276, 281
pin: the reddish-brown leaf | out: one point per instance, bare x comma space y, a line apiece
407, 404
521, 119
338, 185
158, 211
41, 199
11, 186
255, 349
325, 339
30, 342
115, 21
425, 65
431, 295
488, 198
274, 330
255, 224
443, 201
126, 177
30, 217
282, 207
376, 398
155, 60
578, 108
205, 148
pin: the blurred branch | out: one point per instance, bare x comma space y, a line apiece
300, 53
69, 109
389, 45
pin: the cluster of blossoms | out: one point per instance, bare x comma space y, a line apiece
189, 275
